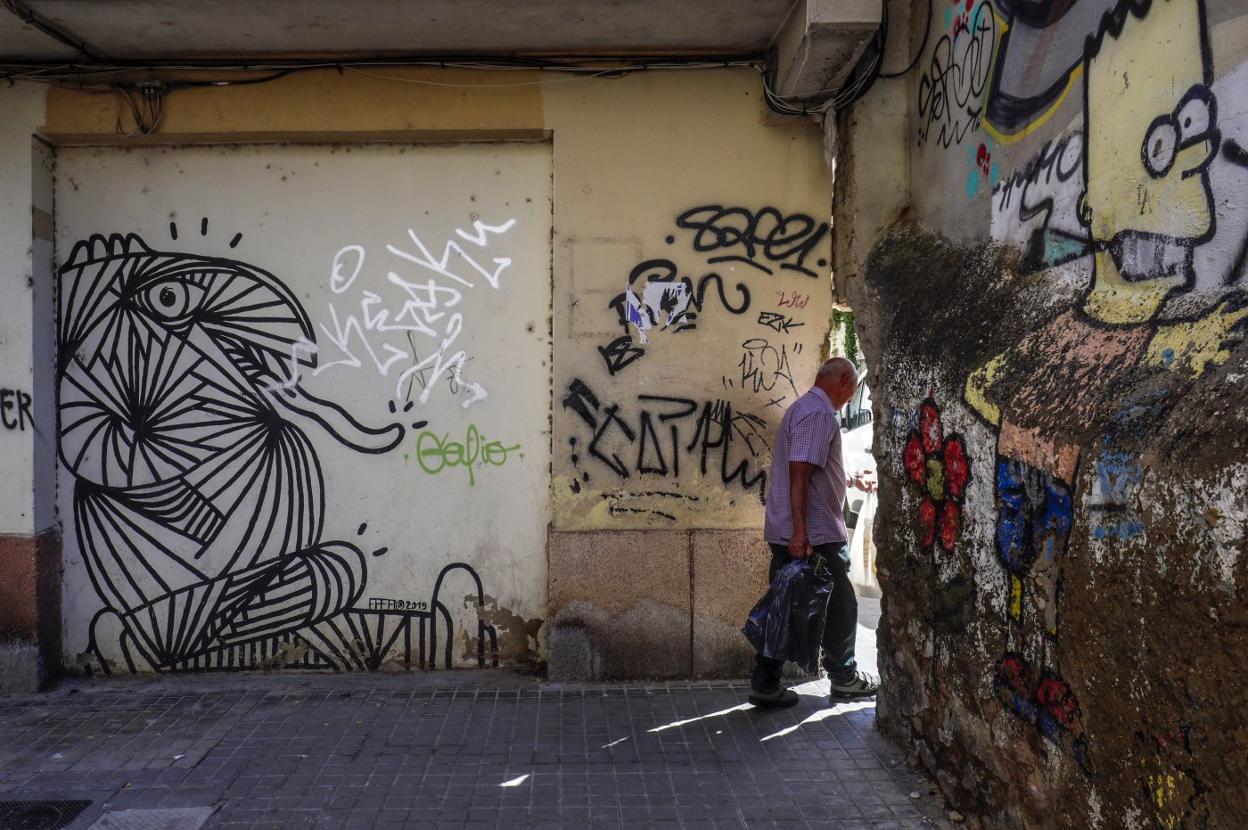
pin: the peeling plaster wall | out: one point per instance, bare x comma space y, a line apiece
690, 246
1055, 322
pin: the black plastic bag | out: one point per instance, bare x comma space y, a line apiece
787, 623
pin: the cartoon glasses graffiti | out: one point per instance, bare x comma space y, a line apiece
1187, 132
1150, 136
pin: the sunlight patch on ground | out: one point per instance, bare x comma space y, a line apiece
838, 709
674, 724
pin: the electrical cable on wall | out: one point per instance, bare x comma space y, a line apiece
144, 100
927, 27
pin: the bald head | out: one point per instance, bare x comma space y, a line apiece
838, 378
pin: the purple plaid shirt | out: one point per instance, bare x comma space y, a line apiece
809, 432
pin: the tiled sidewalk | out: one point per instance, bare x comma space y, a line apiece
452, 749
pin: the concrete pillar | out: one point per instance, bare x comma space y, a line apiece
29, 541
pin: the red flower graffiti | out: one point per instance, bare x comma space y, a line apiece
939, 466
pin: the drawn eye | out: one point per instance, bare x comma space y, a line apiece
1160, 142
173, 299
1194, 118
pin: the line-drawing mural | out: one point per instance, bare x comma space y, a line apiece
198, 498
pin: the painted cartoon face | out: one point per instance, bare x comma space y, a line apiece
1151, 133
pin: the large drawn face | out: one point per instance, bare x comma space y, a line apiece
1151, 133
165, 358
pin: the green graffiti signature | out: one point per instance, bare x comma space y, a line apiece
435, 453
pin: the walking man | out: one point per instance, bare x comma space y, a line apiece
804, 518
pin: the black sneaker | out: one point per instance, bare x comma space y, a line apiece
781, 698
860, 685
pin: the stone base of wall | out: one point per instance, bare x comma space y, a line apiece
647, 604
21, 668
30, 610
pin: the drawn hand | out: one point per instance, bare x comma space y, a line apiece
1196, 344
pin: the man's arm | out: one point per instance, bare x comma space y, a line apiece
799, 487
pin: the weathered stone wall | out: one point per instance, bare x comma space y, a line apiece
1055, 323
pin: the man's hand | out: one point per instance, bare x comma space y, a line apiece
863, 480
799, 546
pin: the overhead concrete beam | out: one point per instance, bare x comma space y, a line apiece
819, 44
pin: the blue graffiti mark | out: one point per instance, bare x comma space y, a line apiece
1059, 248
902, 421
635, 317
1122, 530
1117, 476
1138, 416
1054, 520
1034, 517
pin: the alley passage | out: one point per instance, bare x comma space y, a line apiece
415, 751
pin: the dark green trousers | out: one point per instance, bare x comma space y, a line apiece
840, 629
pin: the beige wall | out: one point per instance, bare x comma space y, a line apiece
23, 106
629, 157
629, 165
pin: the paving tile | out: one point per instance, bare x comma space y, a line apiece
456, 750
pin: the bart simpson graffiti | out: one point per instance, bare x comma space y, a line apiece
1143, 214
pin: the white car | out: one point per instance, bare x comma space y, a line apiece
856, 433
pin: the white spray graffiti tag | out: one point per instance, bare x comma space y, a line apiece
384, 335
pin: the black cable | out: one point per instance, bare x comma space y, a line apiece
881, 40
30, 18
244, 82
914, 62
53, 70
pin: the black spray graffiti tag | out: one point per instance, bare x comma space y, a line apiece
951, 90
666, 429
656, 299
198, 500
1038, 202
761, 239
763, 367
777, 322
15, 412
